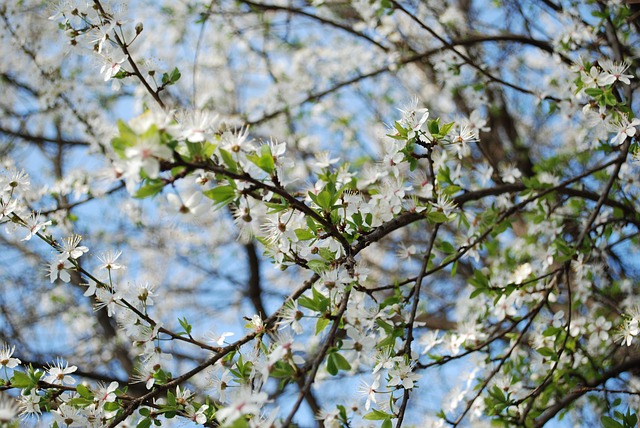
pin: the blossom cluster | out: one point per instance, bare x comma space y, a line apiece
491, 229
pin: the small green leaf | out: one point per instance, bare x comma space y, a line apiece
332, 368
341, 362
144, 423
447, 248
434, 126
437, 217
229, 161
21, 380
608, 422
84, 391
185, 325
172, 78
80, 402
308, 303
454, 269
547, 352
551, 331
304, 234
377, 415
222, 194
321, 324
324, 200
444, 130
593, 92
150, 189
264, 161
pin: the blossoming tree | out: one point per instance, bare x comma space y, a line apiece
289, 213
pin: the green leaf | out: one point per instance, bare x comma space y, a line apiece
308, 303
451, 190
321, 324
593, 92
144, 423
444, 130
185, 325
111, 407
342, 362
547, 352
177, 170
377, 415
304, 234
80, 402
551, 331
171, 78
239, 423
454, 269
229, 161
610, 99
84, 391
434, 126
332, 367
608, 422
386, 424
222, 194
21, 380
446, 247
437, 217
324, 200
264, 161
150, 189
317, 266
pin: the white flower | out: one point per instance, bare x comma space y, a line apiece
5, 357
71, 249
58, 269
111, 67
145, 155
219, 339
197, 416
429, 340
197, 126
107, 299
189, 206
8, 409
521, 273
628, 331
106, 394
34, 225
369, 391
108, 260
291, 315
410, 118
69, 416
594, 78
614, 72
323, 160
245, 402
29, 404
510, 173
18, 180
445, 205
58, 374
404, 375
624, 129
405, 252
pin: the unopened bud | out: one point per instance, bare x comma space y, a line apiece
139, 28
